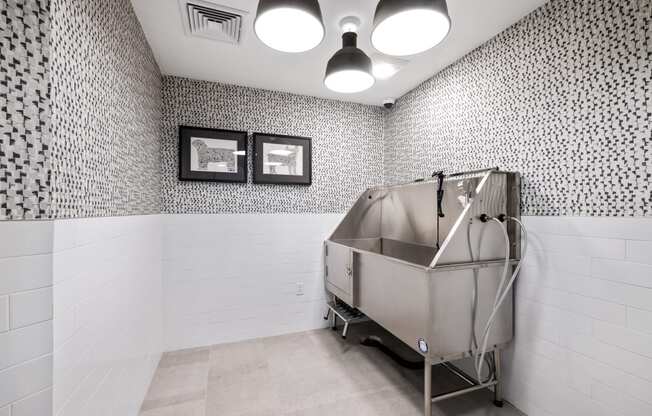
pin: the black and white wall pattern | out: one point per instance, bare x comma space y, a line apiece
564, 97
93, 148
347, 147
24, 109
106, 98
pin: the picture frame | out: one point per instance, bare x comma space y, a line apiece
282, 160
212, 155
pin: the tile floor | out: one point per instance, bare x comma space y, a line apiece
306, 374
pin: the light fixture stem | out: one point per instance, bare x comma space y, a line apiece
349, 39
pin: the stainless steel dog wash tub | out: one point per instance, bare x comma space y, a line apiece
425, 262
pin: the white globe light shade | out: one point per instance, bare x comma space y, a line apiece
384, 70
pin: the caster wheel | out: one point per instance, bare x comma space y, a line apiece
498, 403
343, 336
334, 328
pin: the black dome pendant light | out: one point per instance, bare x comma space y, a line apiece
409, 27
350, 69
289, 25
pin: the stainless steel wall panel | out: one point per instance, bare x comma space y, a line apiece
451, 297
395, 295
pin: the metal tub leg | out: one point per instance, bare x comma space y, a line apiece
427, 386
498, 388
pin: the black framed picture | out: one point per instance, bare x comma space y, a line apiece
212, 155
282, 159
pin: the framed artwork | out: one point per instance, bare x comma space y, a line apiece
282, 159
212, 155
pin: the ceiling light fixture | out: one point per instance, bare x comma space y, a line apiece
384, 70
386, 67
289, 25
350, 69
409, 27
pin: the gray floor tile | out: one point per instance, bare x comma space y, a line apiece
176, 385
310, 373
184, 357
192, 408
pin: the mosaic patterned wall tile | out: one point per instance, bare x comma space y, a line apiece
24, 109
564, 97
106, 98
347, 147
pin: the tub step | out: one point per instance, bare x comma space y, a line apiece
337, 309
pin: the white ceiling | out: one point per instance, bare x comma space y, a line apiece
253, 64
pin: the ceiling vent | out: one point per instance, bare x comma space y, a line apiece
212, 21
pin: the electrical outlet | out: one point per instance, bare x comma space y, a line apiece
299, 288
